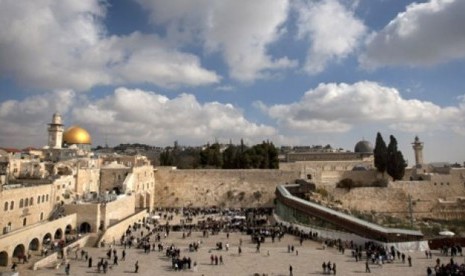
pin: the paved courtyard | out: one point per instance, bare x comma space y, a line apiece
273, 259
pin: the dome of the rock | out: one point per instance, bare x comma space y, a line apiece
76, 135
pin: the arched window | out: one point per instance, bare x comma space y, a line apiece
41, 216
21, 203
38, 199
31, 201
6, 207
43, 198
26, 202
47, 198
24, 222
12, 205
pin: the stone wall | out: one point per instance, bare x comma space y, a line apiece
117, 230
42, 200
119, 209
34, 233
88, 212
394, 199
111, 178
87, 180
226, 188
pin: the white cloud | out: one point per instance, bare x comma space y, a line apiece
342, 107
240, 30
64, 45
24, 122
425, 34
128, 115
332, 30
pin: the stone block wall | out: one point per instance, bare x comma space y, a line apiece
225, 188
119, 209
89, 213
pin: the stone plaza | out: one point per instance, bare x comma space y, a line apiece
272, 259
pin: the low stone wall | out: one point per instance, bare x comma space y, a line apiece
52, 259
116, 231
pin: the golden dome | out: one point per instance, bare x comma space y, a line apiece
76, 135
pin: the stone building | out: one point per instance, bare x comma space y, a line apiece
46, 197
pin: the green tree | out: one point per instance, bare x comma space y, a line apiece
211, 156
396, 163
380, 154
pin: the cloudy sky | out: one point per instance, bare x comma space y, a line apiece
293, 72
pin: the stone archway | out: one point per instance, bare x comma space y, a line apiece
3, 258
85, 228
34, 244
117, 190
58, 234
47, 239
19, 252
68, 229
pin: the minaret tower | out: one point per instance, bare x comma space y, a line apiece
418, 148
55, 132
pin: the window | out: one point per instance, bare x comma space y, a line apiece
31, 201
6, 207
12, 205
38, 200
21, 203
26, 202
41, 216
43, 198
24, 222
46, 198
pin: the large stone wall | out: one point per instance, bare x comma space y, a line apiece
394, 199
226, 188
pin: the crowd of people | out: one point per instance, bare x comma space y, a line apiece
150, 237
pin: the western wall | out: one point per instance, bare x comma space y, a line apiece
440, 196
224, 188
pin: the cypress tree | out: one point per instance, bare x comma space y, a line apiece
380, 154
396, 163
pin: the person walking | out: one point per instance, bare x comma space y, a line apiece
136, 267
367, 267
409, 259
67, 268
334, 268
290, 270
90, 261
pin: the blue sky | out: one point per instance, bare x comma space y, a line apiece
293, 72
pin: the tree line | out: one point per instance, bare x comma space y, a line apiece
259, 156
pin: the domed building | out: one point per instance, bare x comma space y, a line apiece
78, 137
65, 144
363, 147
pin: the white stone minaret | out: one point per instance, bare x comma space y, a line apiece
55, 132
418, 148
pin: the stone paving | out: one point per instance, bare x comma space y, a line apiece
273, 259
